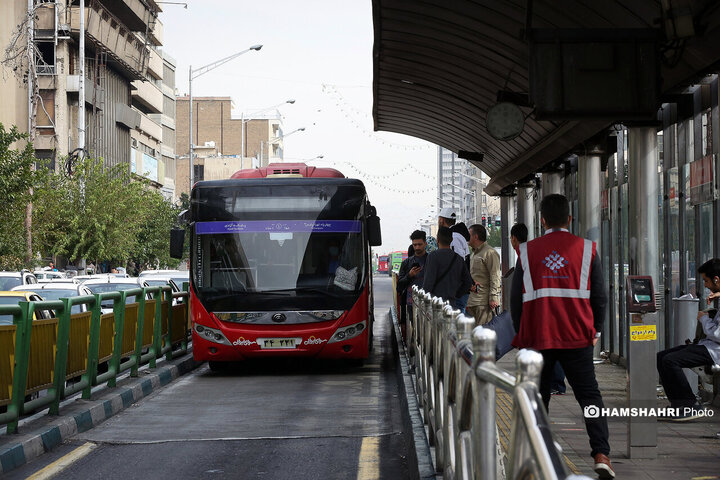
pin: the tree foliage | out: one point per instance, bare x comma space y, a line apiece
102, 213
17, 176
494, 237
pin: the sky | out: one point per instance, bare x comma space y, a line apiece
319, 53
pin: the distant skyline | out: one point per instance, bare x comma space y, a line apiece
321, 56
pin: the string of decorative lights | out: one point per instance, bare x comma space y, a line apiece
350, 112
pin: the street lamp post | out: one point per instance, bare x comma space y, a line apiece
274, 139
192, 74
244, 120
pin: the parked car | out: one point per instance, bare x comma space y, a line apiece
58, 290
113, 284
9, 280
14, 297
175, 275
48, 275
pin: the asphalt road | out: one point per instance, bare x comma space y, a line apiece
268, 420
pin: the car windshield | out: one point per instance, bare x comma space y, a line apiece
6, 283
13, 300
58, 293
112, 287
300, 245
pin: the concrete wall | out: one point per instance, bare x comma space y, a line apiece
13, 102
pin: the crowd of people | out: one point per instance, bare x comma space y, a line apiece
557, 302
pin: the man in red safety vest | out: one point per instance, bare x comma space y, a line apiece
558, 302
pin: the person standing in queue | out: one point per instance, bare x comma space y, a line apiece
446, 275
412, 270
558, 307
485, 272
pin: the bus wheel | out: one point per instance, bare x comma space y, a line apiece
355, 362
217, 366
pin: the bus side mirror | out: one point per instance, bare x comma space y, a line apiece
177, 240
373, 228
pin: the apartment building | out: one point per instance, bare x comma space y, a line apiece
220, 136
124, 71
460, 186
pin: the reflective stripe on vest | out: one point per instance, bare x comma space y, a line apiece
583, 292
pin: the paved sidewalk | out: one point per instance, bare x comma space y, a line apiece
686, 450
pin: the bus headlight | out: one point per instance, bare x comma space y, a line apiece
346, 333
211, 334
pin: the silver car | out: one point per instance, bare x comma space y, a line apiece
58, 290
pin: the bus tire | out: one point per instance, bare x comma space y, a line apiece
217, 366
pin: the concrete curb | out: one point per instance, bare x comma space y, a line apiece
82, 415
424, 459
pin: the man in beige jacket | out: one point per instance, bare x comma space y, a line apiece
485, 271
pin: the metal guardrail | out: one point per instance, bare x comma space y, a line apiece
41, 355
456, 379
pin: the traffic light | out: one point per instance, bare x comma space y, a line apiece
497, 222
484, 221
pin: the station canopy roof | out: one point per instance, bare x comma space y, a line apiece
439, 65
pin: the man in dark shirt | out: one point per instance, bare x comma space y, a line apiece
446, 275
412, 269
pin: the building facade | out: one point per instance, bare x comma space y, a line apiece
225, 142
124, 70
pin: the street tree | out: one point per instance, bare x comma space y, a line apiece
17, 177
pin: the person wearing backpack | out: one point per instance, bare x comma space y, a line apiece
446, 275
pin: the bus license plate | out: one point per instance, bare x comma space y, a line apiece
279, 342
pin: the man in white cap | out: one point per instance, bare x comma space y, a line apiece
447, 218
460, 237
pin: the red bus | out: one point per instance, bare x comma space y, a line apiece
281, 265
383, 264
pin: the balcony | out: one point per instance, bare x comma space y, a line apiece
125, 51
150, 128
147, 95
156, 34
132, 13
155, 64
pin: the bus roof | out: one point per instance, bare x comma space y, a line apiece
279, 170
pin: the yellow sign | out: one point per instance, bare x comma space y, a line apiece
643, 333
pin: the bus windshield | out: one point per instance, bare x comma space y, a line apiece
280, 248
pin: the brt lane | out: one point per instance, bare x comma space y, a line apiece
278, 419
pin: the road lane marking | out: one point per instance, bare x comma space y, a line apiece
63, 462
369, 461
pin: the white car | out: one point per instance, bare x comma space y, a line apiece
9, 280
49, 276
175, 275
113, 284
58, 290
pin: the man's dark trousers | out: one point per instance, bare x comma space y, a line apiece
580, 374
670, 364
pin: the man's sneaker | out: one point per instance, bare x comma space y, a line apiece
603, 467
687, 413
556, 392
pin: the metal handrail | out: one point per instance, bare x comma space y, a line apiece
456, 379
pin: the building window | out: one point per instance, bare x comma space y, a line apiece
46, 112
45, 57
198, 173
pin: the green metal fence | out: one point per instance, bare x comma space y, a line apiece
37, 358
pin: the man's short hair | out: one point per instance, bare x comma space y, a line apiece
711, 268
554, 208
418, 235
479, 230
449, 221
444, 236
520, 231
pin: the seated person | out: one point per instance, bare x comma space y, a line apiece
670, 362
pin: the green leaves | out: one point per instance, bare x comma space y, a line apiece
17, 175
103, 213
99, 213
